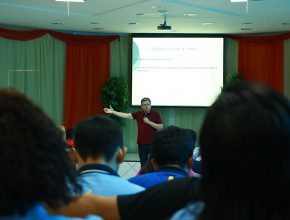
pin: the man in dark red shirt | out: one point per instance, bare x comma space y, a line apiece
148, 121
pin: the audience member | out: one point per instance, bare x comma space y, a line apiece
245, 144
70, 132
147, 168
36, 172
171, 154
100, 150
158, 202
197, 162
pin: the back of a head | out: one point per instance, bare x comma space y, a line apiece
193, 135
98, 136
245, 144
172, 145
70, 133
34, 165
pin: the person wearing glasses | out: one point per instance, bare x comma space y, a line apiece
148, 121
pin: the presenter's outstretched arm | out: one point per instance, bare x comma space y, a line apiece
119, 114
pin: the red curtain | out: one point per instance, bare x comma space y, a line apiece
261, 59
21, 35
87, 69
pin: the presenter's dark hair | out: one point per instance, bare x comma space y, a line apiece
245, 144
145, 99
34, 165
98, 136
172, 145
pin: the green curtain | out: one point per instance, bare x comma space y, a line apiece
36, 68
182, 117
231, 56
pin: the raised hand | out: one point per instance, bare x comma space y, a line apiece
109, 110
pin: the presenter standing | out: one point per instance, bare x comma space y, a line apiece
148, 121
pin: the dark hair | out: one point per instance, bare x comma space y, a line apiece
145, 99
98, 136
34, 165
245, 144
172, 145
193, 136
70, 133
147, 167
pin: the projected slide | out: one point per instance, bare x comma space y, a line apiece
177, 71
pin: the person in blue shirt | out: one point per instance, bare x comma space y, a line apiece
37, 176
171, 156
100, 149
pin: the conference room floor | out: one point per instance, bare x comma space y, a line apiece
130, 166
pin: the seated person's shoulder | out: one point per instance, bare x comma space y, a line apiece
167, 198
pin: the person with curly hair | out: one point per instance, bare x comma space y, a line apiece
36, 172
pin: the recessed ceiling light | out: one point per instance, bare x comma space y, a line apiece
207, 23
246, 29
57, 22
70, 0
189, 14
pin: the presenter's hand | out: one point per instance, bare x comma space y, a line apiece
109, 110
146, 120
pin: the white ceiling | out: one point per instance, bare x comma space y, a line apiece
115, 16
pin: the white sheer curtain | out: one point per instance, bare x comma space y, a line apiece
35, 68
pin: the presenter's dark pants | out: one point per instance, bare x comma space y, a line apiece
144, 151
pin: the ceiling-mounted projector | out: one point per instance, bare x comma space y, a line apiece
164, 26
